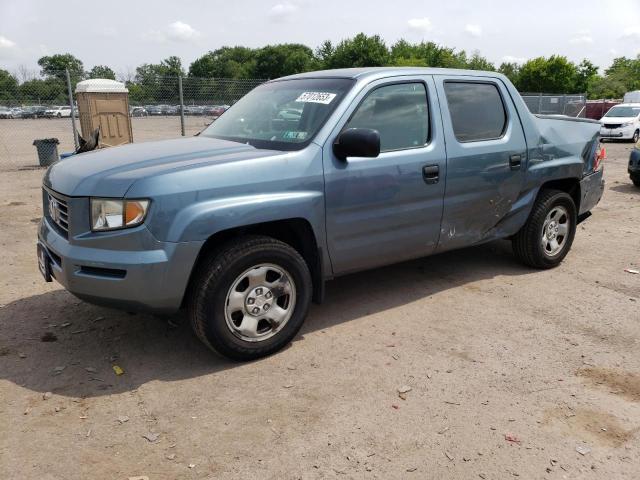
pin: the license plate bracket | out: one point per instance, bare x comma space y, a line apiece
44, 263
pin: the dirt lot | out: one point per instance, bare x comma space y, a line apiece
17, 135
511, 370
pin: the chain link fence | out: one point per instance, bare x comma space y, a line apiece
548, 104
160, 108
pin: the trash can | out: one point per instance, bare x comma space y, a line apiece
47, 151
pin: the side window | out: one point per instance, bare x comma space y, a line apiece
399, 112
477, 111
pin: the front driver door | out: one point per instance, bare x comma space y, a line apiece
387, 209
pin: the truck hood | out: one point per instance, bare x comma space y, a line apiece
110, 172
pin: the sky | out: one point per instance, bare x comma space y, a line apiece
125, 34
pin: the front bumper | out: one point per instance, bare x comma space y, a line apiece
623, 133
150, 276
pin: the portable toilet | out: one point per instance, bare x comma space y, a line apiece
104, 104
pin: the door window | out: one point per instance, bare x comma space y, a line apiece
476, 109
398, 112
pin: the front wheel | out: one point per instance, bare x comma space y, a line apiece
636, 179
546, 238
636, 136
250, 298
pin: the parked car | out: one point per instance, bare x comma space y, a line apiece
35, 111
170, 109
58, 112
138, 112
16, 112
634, 165
193, 110
214, 111
243, 224
5, 112
154, 110
621, 122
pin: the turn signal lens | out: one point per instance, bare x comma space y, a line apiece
134, 212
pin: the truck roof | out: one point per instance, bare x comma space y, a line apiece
382, 72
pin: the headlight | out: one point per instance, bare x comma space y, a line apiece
626, 124
107, 214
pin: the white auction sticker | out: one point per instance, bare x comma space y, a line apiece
316, 97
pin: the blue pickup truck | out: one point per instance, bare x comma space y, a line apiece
307, 178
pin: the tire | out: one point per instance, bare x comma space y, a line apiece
224, 274
59, 115
535, 248
636, 180
636, 136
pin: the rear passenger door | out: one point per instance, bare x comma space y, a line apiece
486, 157
386, 209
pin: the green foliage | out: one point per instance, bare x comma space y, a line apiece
8, 88
50, 91
54, 66
555, 74
158, 82
511, 70
275, 61
225, 62
359, 51
102, 71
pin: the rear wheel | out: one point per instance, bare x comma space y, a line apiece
546, 238
250, 298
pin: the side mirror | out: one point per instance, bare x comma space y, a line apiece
357, 142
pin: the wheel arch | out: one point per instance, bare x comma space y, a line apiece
568, 185
296, 232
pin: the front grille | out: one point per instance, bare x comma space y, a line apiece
612, 125
56, 209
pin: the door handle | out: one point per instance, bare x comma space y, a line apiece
515, 161
431, 174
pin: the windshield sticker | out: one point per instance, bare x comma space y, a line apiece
293, 135
316, 97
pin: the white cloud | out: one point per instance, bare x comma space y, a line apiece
6, 43
282, 11
631, 33
182, 32
177, 31
512, 59
473, 30
583, 37
420, 24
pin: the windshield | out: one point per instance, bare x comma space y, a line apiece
281, 115
623, 112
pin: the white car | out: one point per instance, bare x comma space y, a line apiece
621, 121
58, 112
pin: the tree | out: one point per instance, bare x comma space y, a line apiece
324, 53
360, 51
605, 87
585, 72
626, 71
102, 71
426, 54
225, 62
555, 74
275, 61
511, 70
158, 81
48, 91
478, 62
54, 66
8, 88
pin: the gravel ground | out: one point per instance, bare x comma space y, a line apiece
17, 135
513, 372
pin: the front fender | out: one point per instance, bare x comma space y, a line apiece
200, 220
